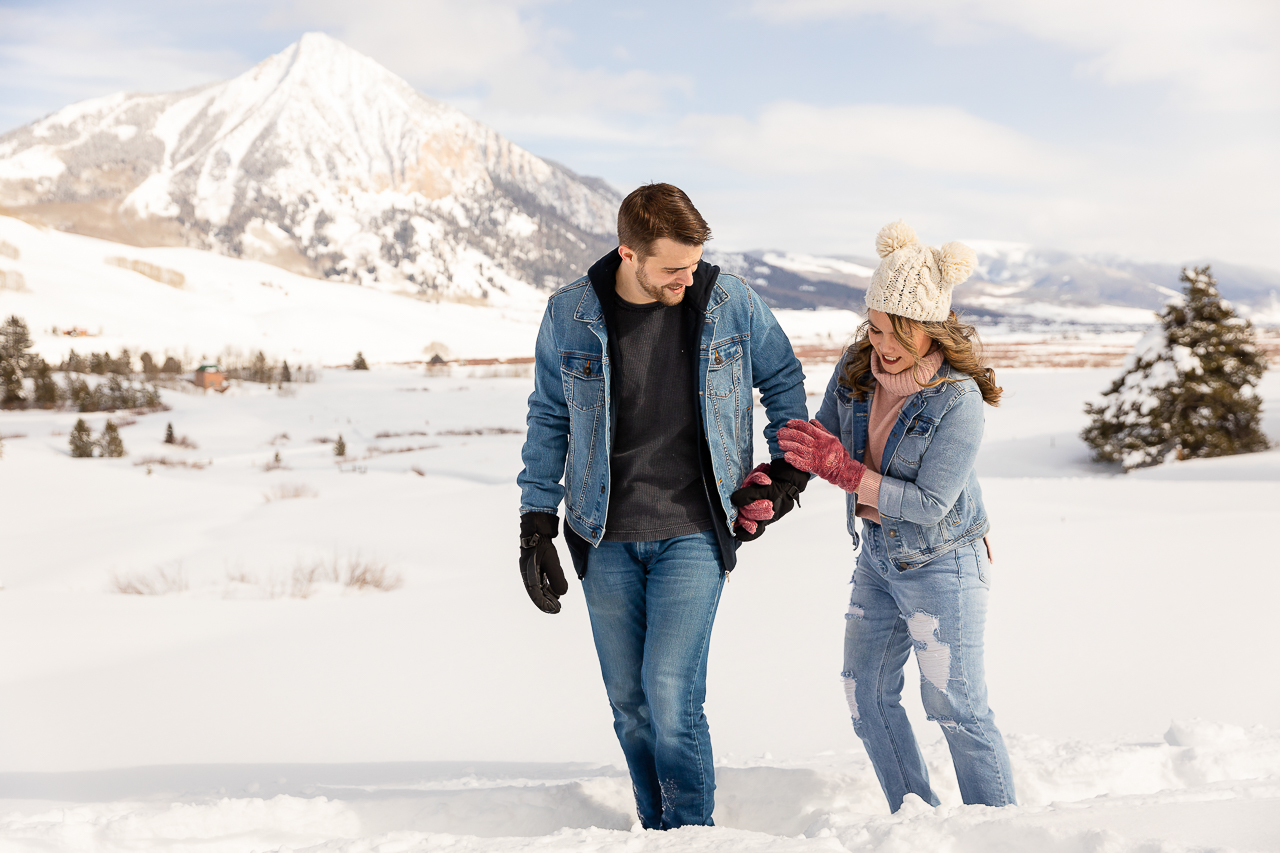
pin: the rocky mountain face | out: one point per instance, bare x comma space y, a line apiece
320, 161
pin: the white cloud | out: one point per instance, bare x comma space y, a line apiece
801, 139
498, 47
1220, 54
85, 55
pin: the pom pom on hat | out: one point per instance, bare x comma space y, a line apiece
956, 262
914, 280
893, 237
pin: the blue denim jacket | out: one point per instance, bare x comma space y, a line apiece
570, 434
930, 502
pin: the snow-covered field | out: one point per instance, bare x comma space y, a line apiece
1130, 644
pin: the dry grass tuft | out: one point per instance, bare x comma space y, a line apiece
481, 431
171, 463
162, 581
288, 491
354, 573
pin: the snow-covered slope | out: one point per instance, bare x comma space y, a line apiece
231, 304
451, 715
318, 160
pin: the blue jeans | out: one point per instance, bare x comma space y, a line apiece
651, 606
940, 610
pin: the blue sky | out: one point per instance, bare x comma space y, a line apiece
1148, 129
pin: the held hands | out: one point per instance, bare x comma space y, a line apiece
768, 493
810, 447
539, 562
751, 516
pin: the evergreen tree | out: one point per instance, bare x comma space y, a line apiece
171, 365
123, 364
47, 394
82, 443
75, 364
259, 371
15, 359
149, 367
168, 434
340, 447
13, 389
15, 341
1187, 390
78, 393
285, 375
112, 446
359, 363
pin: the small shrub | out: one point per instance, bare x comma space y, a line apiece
359, 363
340, 447
288, 491
161, 581
171, 463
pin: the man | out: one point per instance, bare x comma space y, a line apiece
642, 404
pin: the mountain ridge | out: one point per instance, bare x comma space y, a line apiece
320, 161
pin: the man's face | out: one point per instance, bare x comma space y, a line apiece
668, 270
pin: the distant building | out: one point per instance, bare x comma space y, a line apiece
211, 376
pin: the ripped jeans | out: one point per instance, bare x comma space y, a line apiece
940, 610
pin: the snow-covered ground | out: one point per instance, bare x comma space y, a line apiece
1129, 645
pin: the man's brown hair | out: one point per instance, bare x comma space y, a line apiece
654, 211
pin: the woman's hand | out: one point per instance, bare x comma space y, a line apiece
811, 448
747, 525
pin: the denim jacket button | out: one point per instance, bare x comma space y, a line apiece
893, 533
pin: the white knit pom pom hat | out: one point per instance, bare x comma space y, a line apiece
915, 280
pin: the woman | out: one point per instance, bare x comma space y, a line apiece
906, 405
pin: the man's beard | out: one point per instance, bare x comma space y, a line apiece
661, 294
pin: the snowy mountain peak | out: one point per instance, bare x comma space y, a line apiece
319, 160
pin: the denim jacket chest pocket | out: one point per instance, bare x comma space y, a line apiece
915, 441
583, 377
724, 369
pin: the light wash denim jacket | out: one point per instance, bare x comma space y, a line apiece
930, 502
570, 423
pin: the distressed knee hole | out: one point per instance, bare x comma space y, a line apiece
850, 688
948, 724
854, 612
933, 655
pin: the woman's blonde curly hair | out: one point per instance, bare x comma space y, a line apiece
958, 342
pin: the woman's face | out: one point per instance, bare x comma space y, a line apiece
893, 355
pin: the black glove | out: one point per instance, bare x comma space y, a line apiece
539, 562
784, 491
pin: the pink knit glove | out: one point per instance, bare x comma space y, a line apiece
811, 448
756, 511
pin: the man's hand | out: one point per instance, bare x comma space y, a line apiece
810, 447
768, 493
539, 562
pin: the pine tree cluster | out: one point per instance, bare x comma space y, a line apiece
259, 368
27, 380
1187, 389
84, 445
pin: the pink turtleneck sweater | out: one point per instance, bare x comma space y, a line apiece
891, 393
